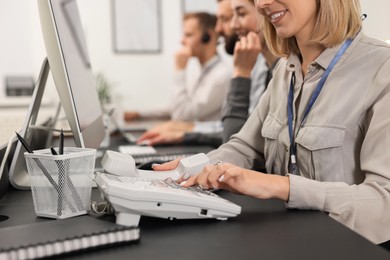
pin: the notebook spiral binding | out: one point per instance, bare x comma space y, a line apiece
116, 236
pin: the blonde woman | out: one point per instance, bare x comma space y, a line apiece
322, 128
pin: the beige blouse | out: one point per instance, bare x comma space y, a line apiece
343, 148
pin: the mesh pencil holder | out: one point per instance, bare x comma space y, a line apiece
61, 185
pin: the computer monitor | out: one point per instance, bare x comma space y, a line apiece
71, 70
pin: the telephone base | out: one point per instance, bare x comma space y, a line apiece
132, 198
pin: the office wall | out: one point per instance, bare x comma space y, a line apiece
15, 52
139, 80
377, 23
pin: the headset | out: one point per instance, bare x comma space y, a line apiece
205, 37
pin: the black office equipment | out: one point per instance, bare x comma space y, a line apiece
62, 237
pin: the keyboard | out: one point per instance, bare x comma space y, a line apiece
136, 150
145, 158
132, 197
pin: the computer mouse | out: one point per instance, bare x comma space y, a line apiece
148, 165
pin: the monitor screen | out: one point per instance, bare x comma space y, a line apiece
71, 70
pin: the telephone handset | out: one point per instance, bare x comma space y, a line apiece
123, 165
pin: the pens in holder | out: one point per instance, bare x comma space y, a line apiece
69, 183
44, 170
60, 183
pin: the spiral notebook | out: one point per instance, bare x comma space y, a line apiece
57, 237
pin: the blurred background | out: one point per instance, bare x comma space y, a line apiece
135, 79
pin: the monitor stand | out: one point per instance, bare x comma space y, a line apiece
37, 138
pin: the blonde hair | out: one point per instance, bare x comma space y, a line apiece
337, 20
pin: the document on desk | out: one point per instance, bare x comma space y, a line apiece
56, 237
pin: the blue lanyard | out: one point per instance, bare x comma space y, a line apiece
313, 98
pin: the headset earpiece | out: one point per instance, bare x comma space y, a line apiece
205, 37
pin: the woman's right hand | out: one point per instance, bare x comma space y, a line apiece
245, 54
243, 181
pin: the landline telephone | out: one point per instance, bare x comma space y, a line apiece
132, 192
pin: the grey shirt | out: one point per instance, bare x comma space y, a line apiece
202, 100
343, 148
243, 96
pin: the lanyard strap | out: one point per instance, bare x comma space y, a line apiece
313, 98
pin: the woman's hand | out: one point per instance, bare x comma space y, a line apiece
245, 54
232, 178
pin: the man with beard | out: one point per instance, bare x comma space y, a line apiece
236, 23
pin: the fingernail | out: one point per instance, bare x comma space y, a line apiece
183, 183
155, 164
220, 179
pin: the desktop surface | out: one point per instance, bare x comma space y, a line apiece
264, 230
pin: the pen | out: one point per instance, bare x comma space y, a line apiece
61, 149
53, 151
25, 145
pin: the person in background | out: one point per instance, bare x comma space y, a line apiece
253, 63
202, 100
223, 25
322, 129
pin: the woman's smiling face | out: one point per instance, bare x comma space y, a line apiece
290, 17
